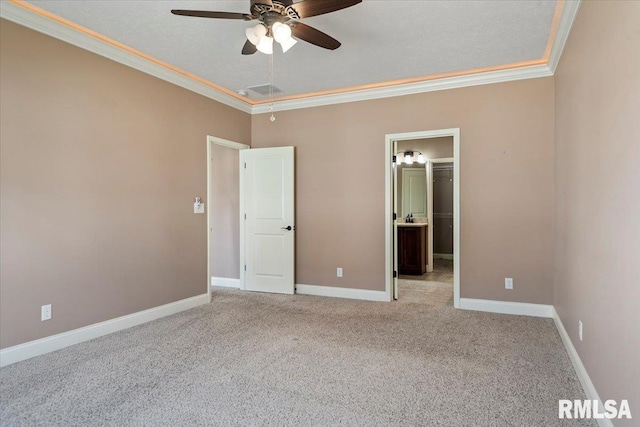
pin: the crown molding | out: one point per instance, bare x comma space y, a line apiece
477, 79
34, 21
26, 18
569, 13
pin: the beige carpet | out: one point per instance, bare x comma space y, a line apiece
435, 288
251, 359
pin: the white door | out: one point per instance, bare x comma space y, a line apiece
429, 169
414, 194
395, 224
267, 188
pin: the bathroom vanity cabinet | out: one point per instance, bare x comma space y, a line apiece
412, 249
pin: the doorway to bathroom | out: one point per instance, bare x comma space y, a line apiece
423, 217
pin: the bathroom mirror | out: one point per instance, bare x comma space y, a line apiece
412, 190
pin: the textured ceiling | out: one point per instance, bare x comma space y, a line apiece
382, 40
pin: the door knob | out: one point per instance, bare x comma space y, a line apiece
288, 228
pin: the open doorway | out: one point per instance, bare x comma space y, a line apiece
423, 217
223, 212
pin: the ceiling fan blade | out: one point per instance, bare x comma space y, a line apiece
265, 2
207, 14
313, 36
249, 48
307, 8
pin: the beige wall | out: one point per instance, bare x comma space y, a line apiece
506, 129
597, 273
99, 168
225, 212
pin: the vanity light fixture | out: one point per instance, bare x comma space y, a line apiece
409, 157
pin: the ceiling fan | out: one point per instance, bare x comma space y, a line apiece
279, 21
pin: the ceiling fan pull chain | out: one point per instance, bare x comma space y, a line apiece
272, 118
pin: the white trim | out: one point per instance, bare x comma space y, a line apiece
442, 160
581, 371
443, 256
390, 141
330, 291
507, 307
226, 143
431, 162
394, 225
208, 206
56, 342
242, 210
225, 282
477, 79
236, 146
569, 13
429, 215
77, 38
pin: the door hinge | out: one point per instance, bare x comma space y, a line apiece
395, 274
245, 267
245, 165
245, 217
395, 216
394, 159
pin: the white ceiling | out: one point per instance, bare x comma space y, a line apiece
382, 40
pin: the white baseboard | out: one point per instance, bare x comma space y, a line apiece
41, 346
225, 282
507, 307
581, 371
330, 291
443, 256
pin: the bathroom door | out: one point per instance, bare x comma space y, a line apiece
414, 194
268, 229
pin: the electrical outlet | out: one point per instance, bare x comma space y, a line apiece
339, 272
580, 329
45, 312
508, 283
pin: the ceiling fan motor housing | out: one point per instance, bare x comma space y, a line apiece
276, 8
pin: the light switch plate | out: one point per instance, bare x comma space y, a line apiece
508, 283
45, 312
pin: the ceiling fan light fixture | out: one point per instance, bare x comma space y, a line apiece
281, 32
288, 44
274, 17
265, 45
256, 34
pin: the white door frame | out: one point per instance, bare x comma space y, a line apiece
390, 196
209, 202
430, 206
